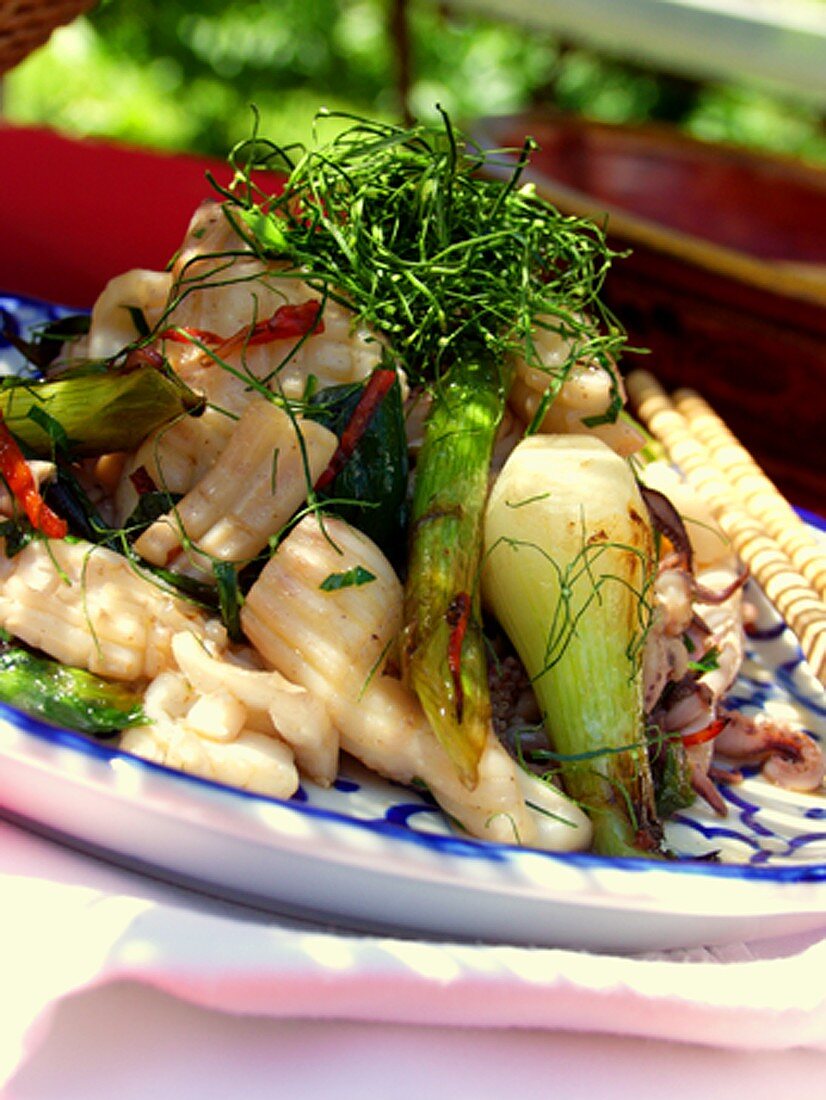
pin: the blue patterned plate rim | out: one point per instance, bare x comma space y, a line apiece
449, 844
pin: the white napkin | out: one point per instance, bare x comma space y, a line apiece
71, 922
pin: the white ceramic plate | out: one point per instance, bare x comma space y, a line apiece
368, 854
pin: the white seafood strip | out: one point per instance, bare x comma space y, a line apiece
87, 606
185, 735
326, 639
586, 392
272, 704
221, 287
175, 456
256, 484
112, 325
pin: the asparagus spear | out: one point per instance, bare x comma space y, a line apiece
454, 267
69, 697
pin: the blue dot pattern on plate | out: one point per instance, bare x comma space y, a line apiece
764, 825
19, 317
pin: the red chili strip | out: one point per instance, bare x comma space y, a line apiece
18, 476
458, 617
142, 481
185, 335
289, 322
372, 396
708, 733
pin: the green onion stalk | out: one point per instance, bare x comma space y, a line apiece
93, 410
443, 651
445, 252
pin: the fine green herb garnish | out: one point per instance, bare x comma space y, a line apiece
409, 228
415, 231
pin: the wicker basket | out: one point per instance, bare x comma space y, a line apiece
27, 24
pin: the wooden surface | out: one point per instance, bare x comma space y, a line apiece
725, 284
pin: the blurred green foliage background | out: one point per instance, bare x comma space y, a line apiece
181, 75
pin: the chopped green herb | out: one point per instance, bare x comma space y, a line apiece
18, 533
707, 663
350, 578
230, 598
139, 321
53, 428
150, 507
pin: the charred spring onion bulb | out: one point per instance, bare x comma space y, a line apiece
568, 553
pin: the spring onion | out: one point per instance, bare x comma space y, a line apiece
568, 555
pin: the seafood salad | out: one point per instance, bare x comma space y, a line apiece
354, 475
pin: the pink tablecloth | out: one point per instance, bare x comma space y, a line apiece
146, 987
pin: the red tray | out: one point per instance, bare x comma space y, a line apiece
74, 213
